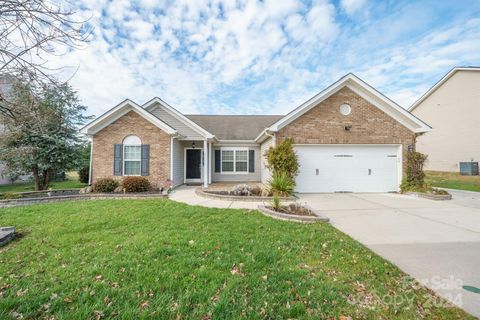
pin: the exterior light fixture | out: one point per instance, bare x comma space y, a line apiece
193, 145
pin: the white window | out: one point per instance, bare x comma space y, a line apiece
234, 160
132, 156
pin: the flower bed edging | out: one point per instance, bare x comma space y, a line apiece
291, 217
430, 196
202, 193
90, 196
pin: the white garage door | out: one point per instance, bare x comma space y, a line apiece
343, 168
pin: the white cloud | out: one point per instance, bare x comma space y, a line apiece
254, 56
352, 6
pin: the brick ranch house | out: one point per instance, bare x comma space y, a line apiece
349, 138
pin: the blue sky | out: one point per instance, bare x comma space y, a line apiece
266, 57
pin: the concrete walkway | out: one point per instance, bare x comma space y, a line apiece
186, 194
437, 242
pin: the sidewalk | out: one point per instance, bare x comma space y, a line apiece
186, 194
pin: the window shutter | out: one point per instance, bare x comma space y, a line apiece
251, 160
117, 159
145, 160
217, 160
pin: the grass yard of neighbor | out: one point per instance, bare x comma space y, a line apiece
71, 182
139, 259
452, 180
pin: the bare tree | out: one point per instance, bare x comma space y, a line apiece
32, 30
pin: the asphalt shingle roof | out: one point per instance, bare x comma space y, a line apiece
234, 127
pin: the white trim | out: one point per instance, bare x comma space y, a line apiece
234, 149
120, 110
210, 151
352, 81
171, 159
205, 163
185, 165
90, 171
177, 114
123, 159
439, 84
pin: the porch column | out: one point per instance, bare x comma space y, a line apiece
205, 163
210, 151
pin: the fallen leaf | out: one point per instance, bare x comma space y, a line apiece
21, 293
144, 304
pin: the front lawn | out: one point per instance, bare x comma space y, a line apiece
452, 180
134, 259
71, 182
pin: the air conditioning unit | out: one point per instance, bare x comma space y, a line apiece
469, 168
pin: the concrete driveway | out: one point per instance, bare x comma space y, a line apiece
437, 242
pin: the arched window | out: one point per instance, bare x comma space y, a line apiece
132, 156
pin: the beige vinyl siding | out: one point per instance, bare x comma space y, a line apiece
240, 177
452, 111
265, 174
175, 123
178, 163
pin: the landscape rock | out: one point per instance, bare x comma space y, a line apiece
86, 190
118, 189
242, 190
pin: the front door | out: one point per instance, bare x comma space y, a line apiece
193, 165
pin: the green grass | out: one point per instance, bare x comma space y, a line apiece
71, 183
453, 180
138, 259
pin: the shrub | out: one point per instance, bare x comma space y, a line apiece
105, 185
281, 184
414, 175
136, 184
276, 203
282, 158
83, 174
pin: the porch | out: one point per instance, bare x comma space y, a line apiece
212, 164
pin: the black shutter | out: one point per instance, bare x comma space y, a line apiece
217, 161
117, 159
145, 160
251, 160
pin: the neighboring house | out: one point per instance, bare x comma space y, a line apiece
452, 108
348, 137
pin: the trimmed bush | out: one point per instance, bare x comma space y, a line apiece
414, 176
282, 158
281, 184
83, 174
105, 185
136, 184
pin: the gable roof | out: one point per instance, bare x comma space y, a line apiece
364, 90
440, 83
234, 127
178, 116
120, 110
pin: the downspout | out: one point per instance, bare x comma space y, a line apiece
90, 171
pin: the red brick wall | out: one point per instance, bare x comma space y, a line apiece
132, 124
324, 124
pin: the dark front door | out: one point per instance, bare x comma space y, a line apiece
194, 163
